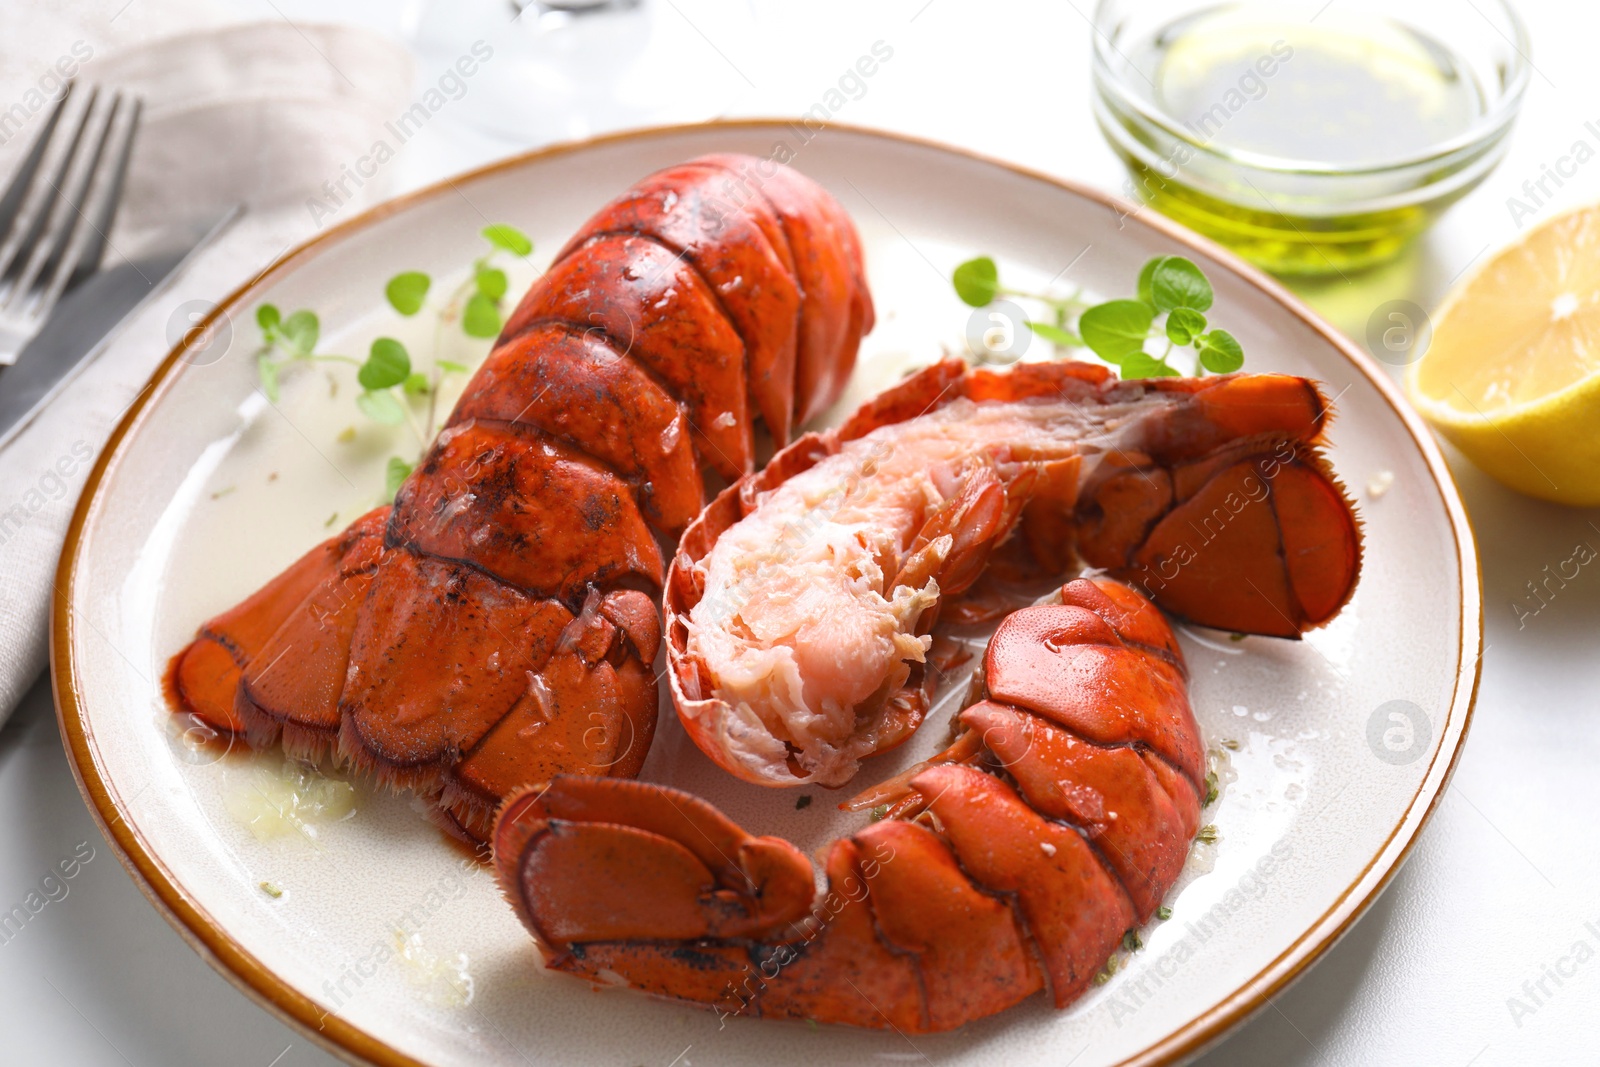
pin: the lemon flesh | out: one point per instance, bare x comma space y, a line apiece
1512, 377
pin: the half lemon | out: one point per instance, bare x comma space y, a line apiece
1512, 376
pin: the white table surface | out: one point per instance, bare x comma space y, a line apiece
1500, 885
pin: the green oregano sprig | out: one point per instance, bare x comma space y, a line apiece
286, 342
977, 283
391, 387
1172, 298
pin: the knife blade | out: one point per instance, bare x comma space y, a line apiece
85, 322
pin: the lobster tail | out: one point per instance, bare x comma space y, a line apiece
874, 525
498, 625
974, 894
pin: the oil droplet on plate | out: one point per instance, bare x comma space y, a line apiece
443, 981
275, 798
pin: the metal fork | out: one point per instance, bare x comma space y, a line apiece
59, 205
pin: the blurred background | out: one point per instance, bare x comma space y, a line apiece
291, 92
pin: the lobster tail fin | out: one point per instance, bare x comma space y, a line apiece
608, 859
227, 676
1259, 540
1228, 515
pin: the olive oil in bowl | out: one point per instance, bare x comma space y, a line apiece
1312, 142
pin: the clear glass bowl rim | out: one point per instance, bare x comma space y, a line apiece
1488, 126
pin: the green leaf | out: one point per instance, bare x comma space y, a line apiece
1219, 352
450, 366
395, 475
1184, 325
268, 317
301, 330
1055, 334
481, 318
509, 238
416, 384
388, 364
381, 407
1178, 283
1144, 365
406, 291
1146, 273
1116, 330
977, 281
267, 369
491, 282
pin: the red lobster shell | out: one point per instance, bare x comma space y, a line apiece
498, 625
1015, 862
1209, 494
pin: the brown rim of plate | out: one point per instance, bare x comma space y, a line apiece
356, 1045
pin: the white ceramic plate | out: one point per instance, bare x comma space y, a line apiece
206, 490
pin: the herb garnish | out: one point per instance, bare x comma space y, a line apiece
1172, 298
392, 388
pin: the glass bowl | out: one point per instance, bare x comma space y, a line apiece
1397, 108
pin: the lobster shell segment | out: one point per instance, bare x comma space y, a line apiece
497, 625
800, 603
1015, 861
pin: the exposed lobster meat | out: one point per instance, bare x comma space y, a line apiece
799, 612
497, 626
1014, 862
800, 604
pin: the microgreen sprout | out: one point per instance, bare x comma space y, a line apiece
286, 342
394, 391
1172, 298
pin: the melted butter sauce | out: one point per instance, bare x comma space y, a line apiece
277, 799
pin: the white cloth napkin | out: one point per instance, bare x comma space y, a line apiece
258, 115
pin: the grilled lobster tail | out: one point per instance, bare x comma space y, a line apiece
1014, 862
497, 625
799, 606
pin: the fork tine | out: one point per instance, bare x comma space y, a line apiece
22, 177
98, 206
58, 142
64, 215
105, 196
